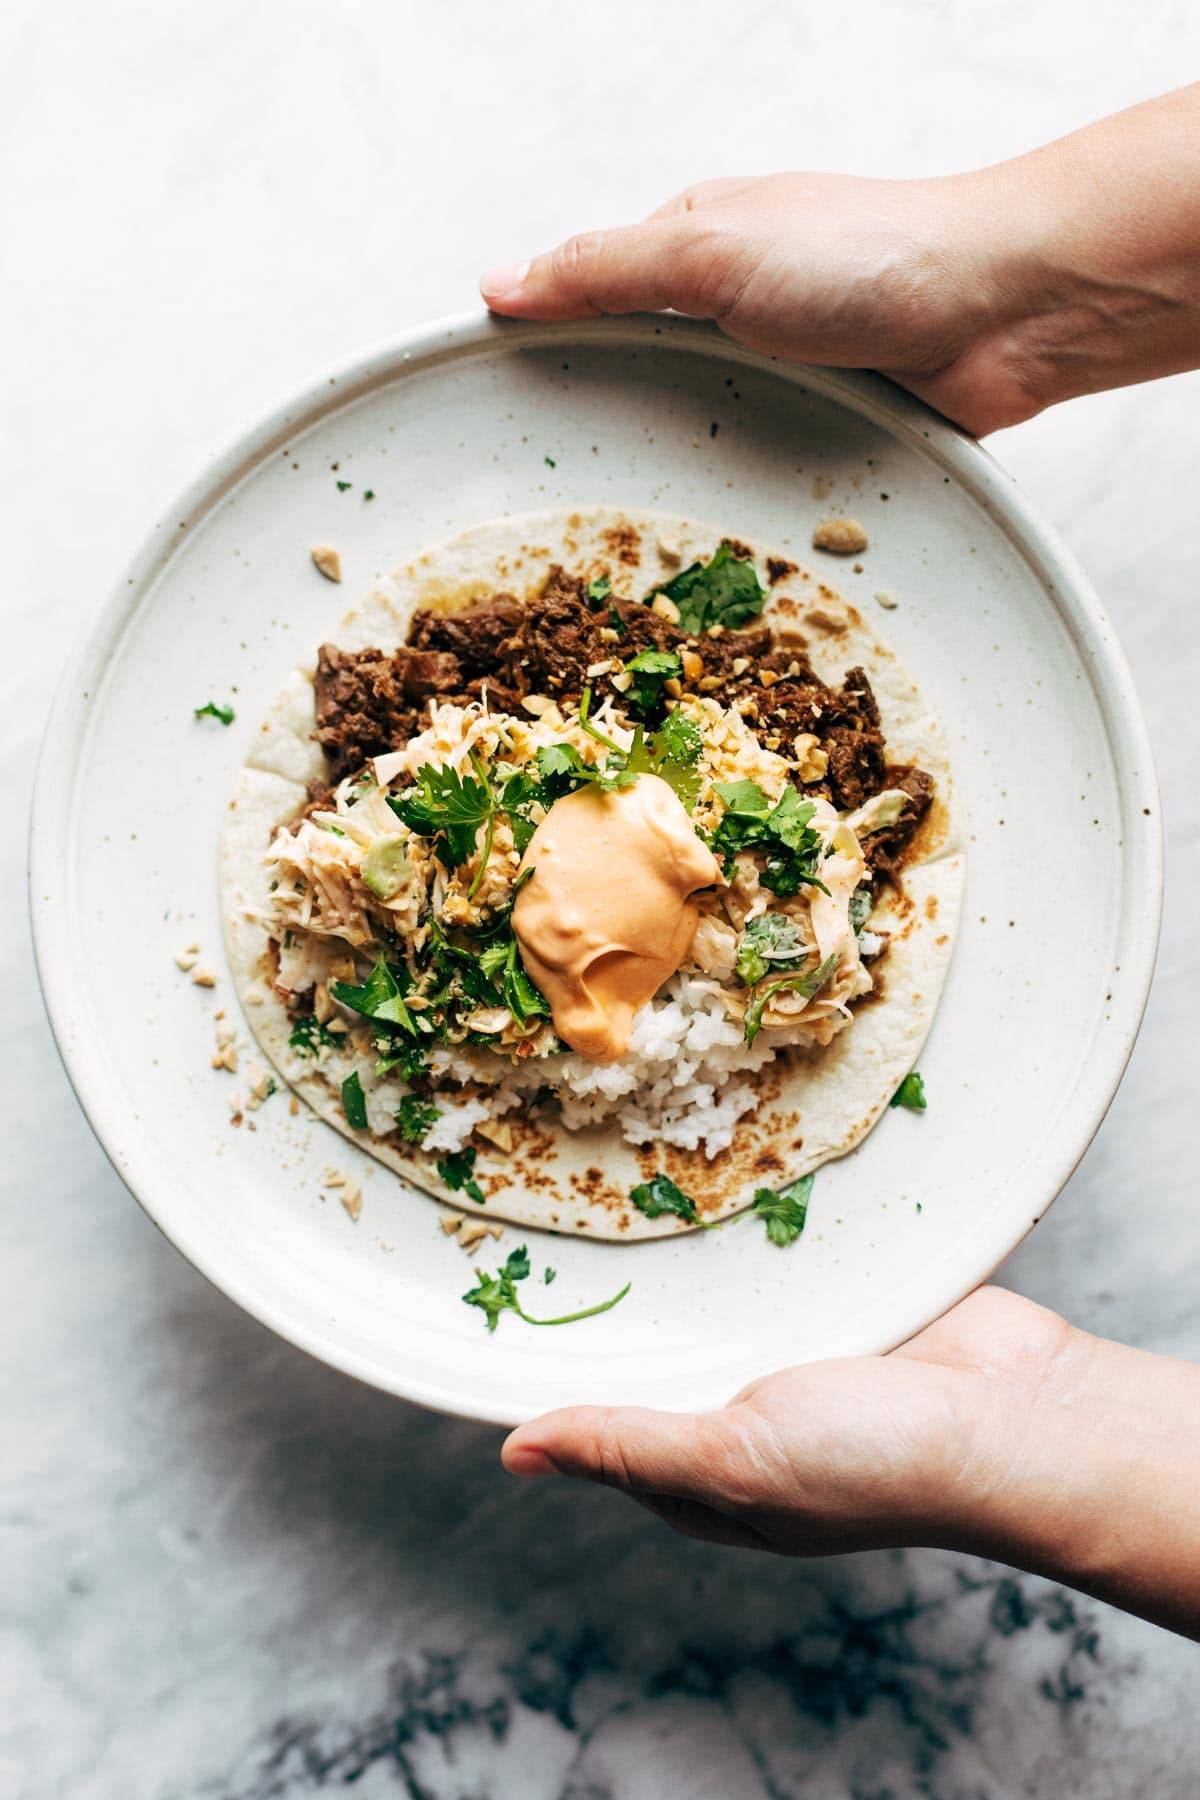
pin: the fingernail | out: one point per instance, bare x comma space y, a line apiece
498, 284
524, 1459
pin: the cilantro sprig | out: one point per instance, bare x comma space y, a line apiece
458, 1172
724, 591
670, 752
495, 1294
782, 831
415, 1118
451, 808
784, 1210
308, 1036
380, 997
660, 1196
650, 670
210, 710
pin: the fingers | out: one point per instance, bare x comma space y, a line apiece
637, 268
683, 1455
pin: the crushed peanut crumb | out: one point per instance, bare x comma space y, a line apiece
327, 560
841, 537
496, 1131
204, 978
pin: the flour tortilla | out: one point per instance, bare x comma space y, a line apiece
812, 1106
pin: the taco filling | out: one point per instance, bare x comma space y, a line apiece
595, 854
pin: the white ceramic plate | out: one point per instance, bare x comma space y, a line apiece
462, 422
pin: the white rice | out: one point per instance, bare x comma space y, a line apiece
682, 1080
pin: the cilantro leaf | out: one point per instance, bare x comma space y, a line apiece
784, 1211
457, 1171
725, 590
660, 1195
562, 770
494, 1294
450, 808
769, 938
910, 1093
378, 998
678, 739
308, 1035
617, 623
599, 589
210, 710
354, 1103
402, 1054
650, 669
808, 985
415, 1118
782, 831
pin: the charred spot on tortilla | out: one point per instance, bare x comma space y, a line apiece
488, 696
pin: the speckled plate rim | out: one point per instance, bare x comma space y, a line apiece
969, 467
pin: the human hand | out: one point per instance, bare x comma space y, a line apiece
1001, 1430
991, 295
814, 268
858, 1453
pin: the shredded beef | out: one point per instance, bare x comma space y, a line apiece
369, 702
885, 849
473, 635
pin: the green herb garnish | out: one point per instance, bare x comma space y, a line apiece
723, 591
498, 1293
549, 462
501, 963
650, 669
861, 902
809, 985
380, 997
599, 589
368, 493
661, 1195
308, 1035
782, 831
343, 485
354, 1103
450, 808
769, 938
910, 1093
550, 1275
415, 1118
784, 1210
210, 710
457, 1171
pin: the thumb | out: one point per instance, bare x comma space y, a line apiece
687, 1455
637, 268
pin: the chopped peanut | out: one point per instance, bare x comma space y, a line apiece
842, 537
326, 559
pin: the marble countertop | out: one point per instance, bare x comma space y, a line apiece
228, 1571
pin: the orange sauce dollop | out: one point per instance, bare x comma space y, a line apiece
608, 913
